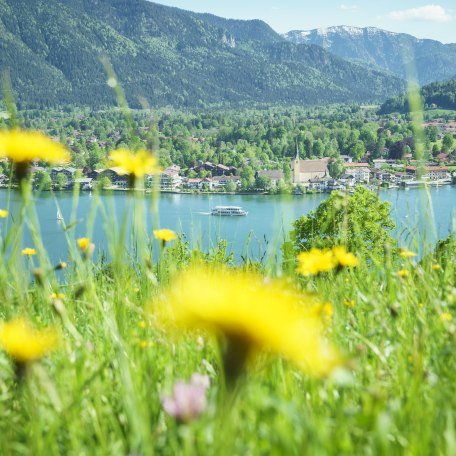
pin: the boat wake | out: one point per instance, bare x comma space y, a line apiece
203, 213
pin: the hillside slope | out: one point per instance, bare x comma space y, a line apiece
168, 56
439, 94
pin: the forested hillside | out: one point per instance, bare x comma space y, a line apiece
439, 94
393, 52
167, 56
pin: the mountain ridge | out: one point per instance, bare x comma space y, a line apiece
168, 56
433, 60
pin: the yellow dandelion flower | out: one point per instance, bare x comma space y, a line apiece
436, 267
344, 258
407, 254
403, 273
28, 251
315, 261
327, 310
165, 235
135, 164
85, 245
28, 146
3, 213
59, 296
143, 344
350, 303
446, 316
252, 315
24, 343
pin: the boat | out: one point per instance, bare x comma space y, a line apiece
229, 211
59, 216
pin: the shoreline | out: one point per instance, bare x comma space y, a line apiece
171, 192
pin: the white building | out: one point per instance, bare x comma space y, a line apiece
360, 174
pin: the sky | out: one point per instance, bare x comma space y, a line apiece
421, 19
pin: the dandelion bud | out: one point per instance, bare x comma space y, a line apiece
61, 265
38, 274
79, 291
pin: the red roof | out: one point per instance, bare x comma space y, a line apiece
356, 165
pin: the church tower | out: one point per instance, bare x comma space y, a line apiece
296, 165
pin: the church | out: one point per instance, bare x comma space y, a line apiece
307, 170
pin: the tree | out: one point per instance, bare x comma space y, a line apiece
447, 142
435, 150
105, 182
287, 174
361, 222
61, 181
263, 183
358, 150
336, 168
43, 180
230, 187
318, 148
247, 177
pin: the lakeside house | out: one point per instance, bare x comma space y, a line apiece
383, 176
214, 170
274, 175
85, 183
69, 172
170, 179
428, 172
360, 174
116, 176
222, 181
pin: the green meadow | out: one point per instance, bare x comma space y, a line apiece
96, 382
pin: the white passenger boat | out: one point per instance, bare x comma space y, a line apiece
230, 211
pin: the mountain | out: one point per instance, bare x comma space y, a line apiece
393, 52
168, 56
439, 94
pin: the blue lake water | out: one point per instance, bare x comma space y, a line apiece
419, 214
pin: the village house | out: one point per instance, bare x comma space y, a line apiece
170, 180
360, 174
68, 172
221, 170
222, 181
193, 183
215, 170
274, 175
346, 158
379, 162
116, 176
357, 165
383, 176
429, 172
85, 183
347, 180
198, 184
332, 184
318, 185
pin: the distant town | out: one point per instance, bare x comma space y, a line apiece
297, 152
306, 176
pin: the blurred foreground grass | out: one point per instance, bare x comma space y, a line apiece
112, 384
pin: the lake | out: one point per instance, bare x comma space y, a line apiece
269, 218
